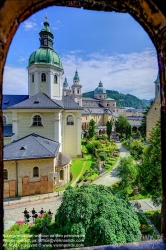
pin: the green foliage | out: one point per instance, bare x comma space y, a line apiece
103, 156
128, 171
150, 168
144, 227
128, 130
121, 124
136, 149
102, 216
91, 130
39, 222
109, 125
155, 217
91, 148
122, 99
17, 237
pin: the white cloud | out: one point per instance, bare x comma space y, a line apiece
133, 73
28, 25
15, 81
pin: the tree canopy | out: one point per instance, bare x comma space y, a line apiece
99, 214
91, 130
109, 128
121, 124
150, 168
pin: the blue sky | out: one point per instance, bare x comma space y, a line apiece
107, 46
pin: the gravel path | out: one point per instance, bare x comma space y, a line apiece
111, 177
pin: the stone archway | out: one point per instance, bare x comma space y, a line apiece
150, 14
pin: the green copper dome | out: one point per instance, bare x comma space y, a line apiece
100, 89
76, 77
65, 84
45, 56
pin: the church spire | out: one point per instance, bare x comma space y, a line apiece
46, 36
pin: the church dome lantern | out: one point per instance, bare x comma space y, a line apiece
100, 89
45, 54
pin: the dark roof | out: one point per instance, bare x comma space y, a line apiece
140, 118
69, 103
62, 159
134, 110
29, 147
7, 131
10, 100
38, 101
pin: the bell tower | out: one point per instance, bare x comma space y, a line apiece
45, 69
76, 89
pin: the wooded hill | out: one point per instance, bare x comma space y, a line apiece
122, 100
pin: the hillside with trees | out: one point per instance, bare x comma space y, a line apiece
122, 100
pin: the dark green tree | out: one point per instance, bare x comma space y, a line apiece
91, 130
121, 124
97, 213
128, 130
150, 168
109, 125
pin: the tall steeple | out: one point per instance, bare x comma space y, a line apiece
46, 36
76, 91
45, 67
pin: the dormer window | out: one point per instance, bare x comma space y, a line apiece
43, 77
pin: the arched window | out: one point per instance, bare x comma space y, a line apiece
32, 77
55, 79
35, 172
37, 120
4, 120
61, 174
78, 91
70, 120
5, 174
43, 77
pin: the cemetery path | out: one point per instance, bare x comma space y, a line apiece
111, 177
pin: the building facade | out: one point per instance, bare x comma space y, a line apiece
46, 113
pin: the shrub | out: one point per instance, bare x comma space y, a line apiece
39, 222
90, 148
102, 156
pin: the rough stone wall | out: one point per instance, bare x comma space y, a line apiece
152, 117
